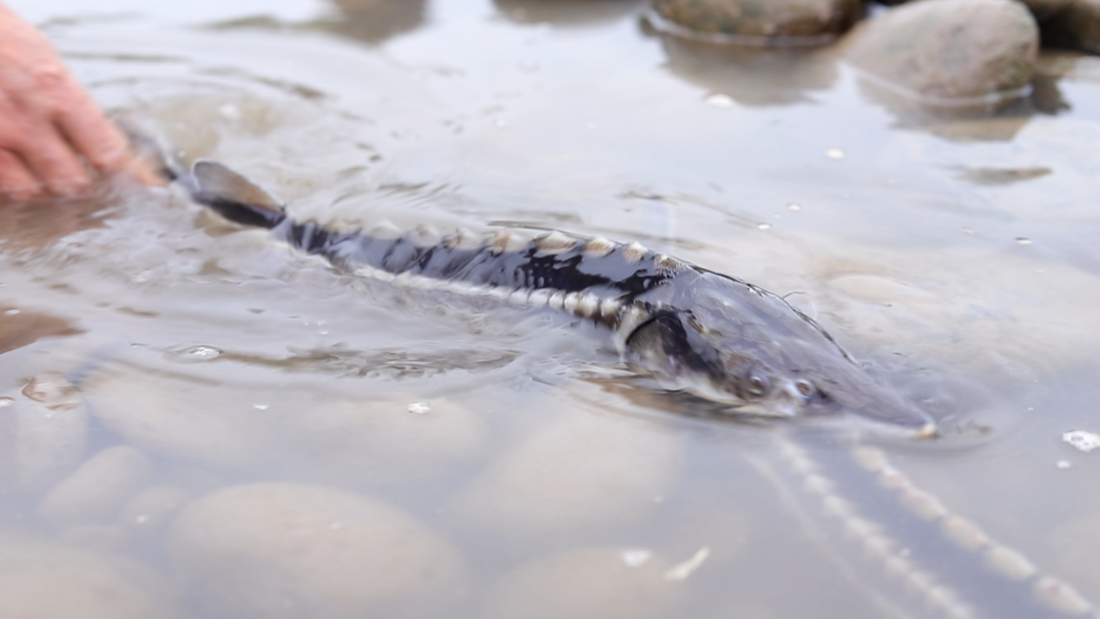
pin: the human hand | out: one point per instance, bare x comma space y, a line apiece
54, 138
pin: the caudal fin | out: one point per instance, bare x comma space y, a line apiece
234, 196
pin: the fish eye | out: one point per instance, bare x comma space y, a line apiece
805, 387
758, 385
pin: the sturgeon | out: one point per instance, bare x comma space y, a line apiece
692, 329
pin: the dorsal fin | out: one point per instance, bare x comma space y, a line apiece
234, 196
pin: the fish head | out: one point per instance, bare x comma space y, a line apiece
767, 360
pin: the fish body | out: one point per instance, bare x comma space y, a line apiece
692, 329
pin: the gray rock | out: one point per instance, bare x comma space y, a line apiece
1077, 27
758, 22
953, 53
284, 550
580, 473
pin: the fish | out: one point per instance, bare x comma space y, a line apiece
691, 329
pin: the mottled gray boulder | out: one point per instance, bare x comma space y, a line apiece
759, 22
1077, 27
949, 52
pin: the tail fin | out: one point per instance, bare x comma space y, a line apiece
210, 183
233, 196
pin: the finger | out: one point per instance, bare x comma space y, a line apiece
93, 136
53, 161
15, 179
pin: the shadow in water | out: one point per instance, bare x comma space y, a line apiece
749, 75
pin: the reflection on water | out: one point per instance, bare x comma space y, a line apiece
253, 434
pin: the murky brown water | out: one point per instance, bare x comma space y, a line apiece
956, 256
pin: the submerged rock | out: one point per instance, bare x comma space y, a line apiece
183, 417
43, 433
284, 550
40, 579
1076, 27
582, 472
393, 439
601, 582
949, 52
96, 490
759, 22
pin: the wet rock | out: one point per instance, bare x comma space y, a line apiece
393, 439
282, 550
190, 418
948, 52
43, 433
600, 582
1076, 27
41, 579
758, 22
580, 473
96, 490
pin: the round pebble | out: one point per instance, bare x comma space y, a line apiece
587, 583
392, 439
182, 417
949, 52
1077, 27
581, 472
43, 432
40, 579
284, 550
95, 491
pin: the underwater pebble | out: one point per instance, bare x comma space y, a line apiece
181, 417
395, 438
95, 491
43, 433
585, 583
581, 472
285, 550
760, 23
47, 580
949, 52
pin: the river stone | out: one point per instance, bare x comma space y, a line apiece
1040, 9
43, 433
284, 550
582, 472
95, 491
587, 583
397, 438
949, 52
190, 418
46, 580
1077, 27
761, 22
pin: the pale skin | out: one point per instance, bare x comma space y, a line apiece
55, 141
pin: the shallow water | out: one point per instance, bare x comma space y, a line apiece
955, 256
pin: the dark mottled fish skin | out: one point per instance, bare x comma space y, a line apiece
693, 330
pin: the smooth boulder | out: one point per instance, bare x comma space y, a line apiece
286, 550
949, 52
